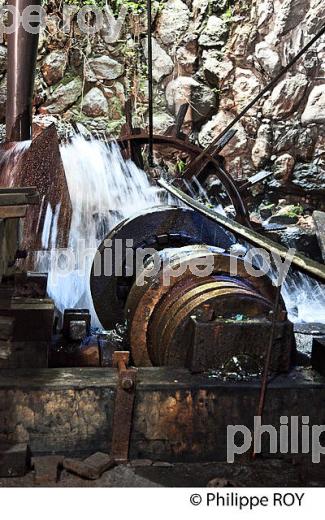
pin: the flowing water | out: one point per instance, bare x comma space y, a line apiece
104, 190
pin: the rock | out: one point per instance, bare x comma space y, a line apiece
199, 9
310, 177
95, 103
140, 463
214, 69
300, 238
162, 64
162, 121
213, 128
3, 59
246, 86
266, 210
46, 469
285, 97
315, 17
289, 15
124, 476
3, 99
286, 215
185, 89
262, 148
214, 33
267, 58
14, 459
265, 9
187, 53
319, 218
92, 467
315, 108
104, 68
54, 66
172, 22
63, 97
283, 168
222, 482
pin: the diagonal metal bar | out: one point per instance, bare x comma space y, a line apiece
301, 262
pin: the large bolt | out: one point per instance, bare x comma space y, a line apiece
127, 383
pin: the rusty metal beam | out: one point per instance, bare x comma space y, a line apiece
301, 262
22, 54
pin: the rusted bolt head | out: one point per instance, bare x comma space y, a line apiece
127, 383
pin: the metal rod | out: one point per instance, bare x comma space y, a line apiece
267, 363
301, 262
22, 54
269, 86
150, 84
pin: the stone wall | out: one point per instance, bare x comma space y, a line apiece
215, 54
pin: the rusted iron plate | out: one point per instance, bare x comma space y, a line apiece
41, 166
123, 409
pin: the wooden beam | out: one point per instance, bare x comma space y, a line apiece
12, 211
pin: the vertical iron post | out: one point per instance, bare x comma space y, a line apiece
22, 55
150, 83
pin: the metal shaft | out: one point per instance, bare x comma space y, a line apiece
150, 84
22, 54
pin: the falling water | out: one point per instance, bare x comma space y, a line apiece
104, 190
304, 299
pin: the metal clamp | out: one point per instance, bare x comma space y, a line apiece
124, 405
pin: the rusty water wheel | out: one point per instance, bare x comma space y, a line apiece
132, 145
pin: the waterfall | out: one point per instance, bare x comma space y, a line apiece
104, 190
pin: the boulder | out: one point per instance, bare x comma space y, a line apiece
215, 126
103, 68
63, 97
262, 148
315, 108
246, 86
310, 176
187, 53
289, 15
283, 168
172, 22
95, 103
162, 64
214, 33
267, 57
162, 121
285, 97
3, 59
265, 9
214, 69
185, 89
54, 66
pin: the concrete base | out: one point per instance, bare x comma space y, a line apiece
178, 416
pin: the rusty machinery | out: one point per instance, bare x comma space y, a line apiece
190, 320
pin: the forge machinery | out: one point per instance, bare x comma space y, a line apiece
197, 342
